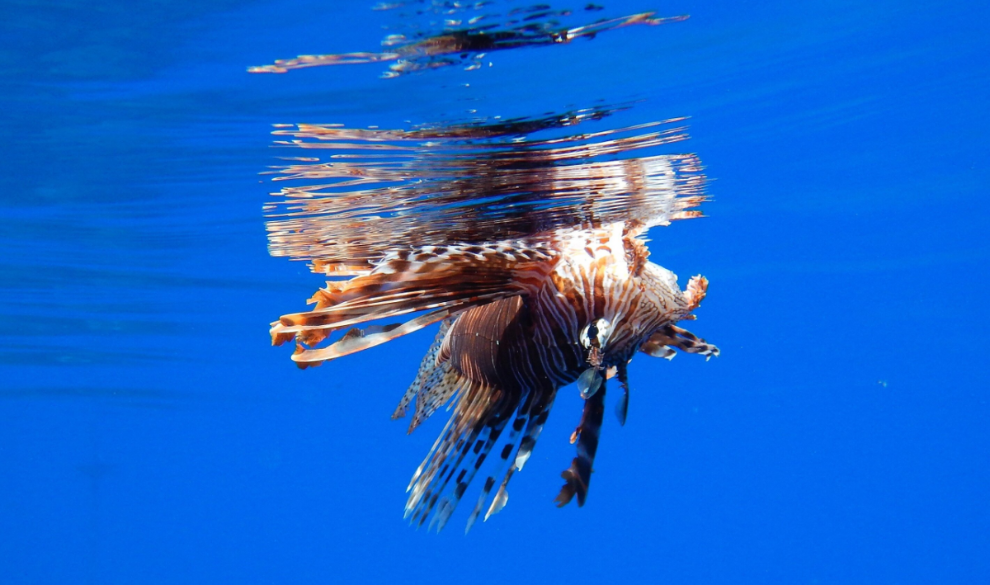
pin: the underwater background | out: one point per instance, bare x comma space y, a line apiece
149, 433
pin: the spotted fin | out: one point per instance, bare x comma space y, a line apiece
434, 384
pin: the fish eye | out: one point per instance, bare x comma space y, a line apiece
596, 331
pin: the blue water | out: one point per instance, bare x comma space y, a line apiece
149, 433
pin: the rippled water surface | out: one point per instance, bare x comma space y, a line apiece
156, 194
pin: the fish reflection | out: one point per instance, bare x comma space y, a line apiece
527, 247
466, 45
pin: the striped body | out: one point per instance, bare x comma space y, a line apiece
603, 276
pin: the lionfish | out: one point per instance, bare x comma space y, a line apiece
529, 253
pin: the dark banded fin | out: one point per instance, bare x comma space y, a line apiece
672, 336
481, 446
479, 418
507, 451
578, 476
530, 421
443, 460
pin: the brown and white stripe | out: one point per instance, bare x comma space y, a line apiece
511, 336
